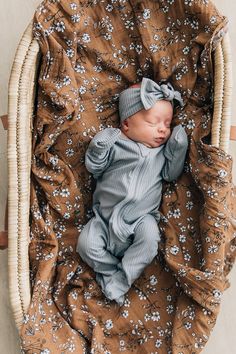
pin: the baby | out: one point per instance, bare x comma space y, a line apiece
129, 164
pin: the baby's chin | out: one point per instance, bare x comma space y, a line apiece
154, 144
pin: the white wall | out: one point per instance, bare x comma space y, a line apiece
14, 17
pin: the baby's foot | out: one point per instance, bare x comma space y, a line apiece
120, 300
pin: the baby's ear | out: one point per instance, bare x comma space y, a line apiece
125, 125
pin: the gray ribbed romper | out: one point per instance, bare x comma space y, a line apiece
122, 237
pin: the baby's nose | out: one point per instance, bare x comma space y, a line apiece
162, 128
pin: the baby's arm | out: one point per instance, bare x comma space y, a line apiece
175, 151
97, 157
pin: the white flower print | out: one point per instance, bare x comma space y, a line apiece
155, 316
49, 31
97, 68
189, 205
109, 324
49, 302
82, 90
58, 234
222, 173
176, 213
153, 48
169, 214
174, 250
182, 272
127, 303
191, 124
60, 26
147, 317
70, 152
153, 280
138, 48
184, 69
75, 18
87, 295
212, 192
158, 343
107, 36
73, 6
37, 214
99, 107
146, 14
187, 257
182, 238
141, 295
49, 256
66, 216
188, 2
86, 38
178, 76
165, 9
80, 69
170, 309
109, 7
217, 294
187, 325
125, 313
194, 24
129, 25
45, 351
66, 81
65, 192
186, 50
70, 275
70, 53
213, 249
213, 19
69, 42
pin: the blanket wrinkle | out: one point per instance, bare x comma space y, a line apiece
92, 50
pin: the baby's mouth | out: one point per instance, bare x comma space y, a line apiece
159, 140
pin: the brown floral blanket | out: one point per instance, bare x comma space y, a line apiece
91, 50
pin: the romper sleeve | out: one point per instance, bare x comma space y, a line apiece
98, 154
175, 152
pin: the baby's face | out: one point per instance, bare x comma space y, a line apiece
150, 127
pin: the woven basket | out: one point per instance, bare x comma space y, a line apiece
22, 87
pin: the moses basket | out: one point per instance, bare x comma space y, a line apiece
22, 89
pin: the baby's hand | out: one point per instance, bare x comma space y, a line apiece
105, 139
178, 135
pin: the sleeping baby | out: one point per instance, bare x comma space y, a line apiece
129, 164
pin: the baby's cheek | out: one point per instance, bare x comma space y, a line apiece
168, 133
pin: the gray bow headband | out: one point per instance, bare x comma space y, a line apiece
134, 99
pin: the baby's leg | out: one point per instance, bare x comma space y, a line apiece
143, 249
139, 254
92, 248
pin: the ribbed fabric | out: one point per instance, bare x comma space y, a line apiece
125, 203
134, 99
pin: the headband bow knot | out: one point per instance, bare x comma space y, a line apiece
133, 100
